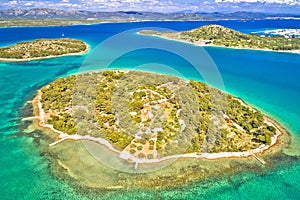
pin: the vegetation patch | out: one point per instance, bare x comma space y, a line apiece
42, 48
152, 116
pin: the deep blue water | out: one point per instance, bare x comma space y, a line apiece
266, 80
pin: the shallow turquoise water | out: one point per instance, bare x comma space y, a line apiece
267, 80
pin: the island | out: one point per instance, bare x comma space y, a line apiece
148, 118
217, 35
23, 22
58, 17
43, 48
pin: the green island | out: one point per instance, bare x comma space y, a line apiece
42, 48
225, 37
147, 117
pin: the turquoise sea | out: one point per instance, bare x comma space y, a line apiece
267, 80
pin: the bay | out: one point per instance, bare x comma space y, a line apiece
267, 80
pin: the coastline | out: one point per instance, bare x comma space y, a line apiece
40, 116
120, 21
137, 21
46, 57
71, 170
210, 45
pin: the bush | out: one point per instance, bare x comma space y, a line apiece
151, 147
142, 141
132, 151
272, 129
151, 142
150, 156
141, 155
139, 148
268, 139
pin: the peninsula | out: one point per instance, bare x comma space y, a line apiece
42, 48
148, 118
217, 35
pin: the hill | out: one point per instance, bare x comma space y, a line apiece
223, 36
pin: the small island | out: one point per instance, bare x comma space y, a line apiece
217, 35
148, 118
43, 48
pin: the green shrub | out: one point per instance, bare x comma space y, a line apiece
141, 155
150, 156
132, 151
139, 148
151, 142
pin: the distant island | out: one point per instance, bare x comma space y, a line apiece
57, 17
164, 118
42, 48
225, 37
24, 22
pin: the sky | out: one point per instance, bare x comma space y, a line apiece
267, 6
